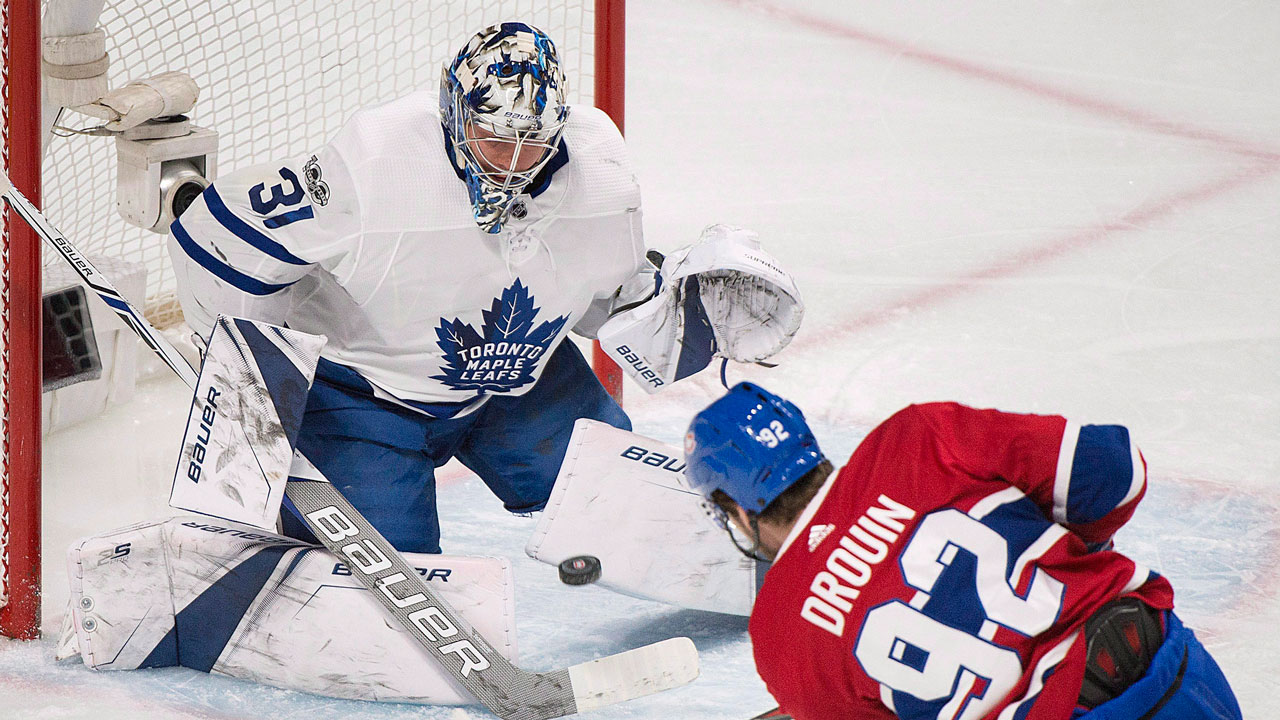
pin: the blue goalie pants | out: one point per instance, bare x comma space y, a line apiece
383, 456
1182, 683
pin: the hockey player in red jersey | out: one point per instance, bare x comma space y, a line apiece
958, 566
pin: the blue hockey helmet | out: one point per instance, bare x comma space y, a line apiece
751, 444
503, 106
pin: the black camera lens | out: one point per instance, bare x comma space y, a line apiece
184, 195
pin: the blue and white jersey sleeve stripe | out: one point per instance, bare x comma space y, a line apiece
219, 267
231, 223
256, 232
1100, 476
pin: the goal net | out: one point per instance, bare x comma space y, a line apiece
277, 78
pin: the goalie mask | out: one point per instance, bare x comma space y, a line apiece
502, 103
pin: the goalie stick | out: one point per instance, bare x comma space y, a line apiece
774, 714
505, 689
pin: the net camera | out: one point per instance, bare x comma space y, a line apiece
162, 167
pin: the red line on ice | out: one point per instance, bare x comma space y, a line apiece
1022, 260
1019, 261
968, 68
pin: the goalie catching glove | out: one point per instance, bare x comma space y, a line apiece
722, 296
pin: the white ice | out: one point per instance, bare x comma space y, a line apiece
1055, 207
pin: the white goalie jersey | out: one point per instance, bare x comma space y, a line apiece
370, 241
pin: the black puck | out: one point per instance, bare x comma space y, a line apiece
580, 570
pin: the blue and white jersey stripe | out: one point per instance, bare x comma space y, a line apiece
1048, 662
1099, 470
246, 232
220, 269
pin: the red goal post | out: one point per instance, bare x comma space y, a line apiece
20, 328
277, 78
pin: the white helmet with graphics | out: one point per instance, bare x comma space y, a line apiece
502, 102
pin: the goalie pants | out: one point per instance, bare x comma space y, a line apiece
1182, 683
383, 456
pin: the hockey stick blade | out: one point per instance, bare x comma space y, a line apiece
506, 690
774, 714
635, 673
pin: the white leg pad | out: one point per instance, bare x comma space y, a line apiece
245, 415
622, 498
234, 600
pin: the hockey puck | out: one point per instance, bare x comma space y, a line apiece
580, 570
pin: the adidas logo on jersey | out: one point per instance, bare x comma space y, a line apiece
817, 534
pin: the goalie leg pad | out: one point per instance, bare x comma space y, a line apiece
233, 600
245, 416
622, 498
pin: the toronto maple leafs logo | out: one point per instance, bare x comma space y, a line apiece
503, 354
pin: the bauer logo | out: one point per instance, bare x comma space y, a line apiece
502, 355
241, 534
424, 614
441, 574
200, 448
654, 459
641, 367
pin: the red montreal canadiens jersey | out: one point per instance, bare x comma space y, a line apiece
948, 569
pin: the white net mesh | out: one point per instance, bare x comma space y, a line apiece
277, 78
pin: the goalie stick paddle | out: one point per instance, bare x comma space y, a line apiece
505, 689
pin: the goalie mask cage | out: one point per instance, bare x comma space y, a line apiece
277, 78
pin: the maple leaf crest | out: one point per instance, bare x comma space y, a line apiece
502, 355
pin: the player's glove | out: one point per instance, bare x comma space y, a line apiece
720, 296
753, 305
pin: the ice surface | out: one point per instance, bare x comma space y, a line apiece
1066, 207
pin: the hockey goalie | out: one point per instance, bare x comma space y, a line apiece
446, 258
221, 592
399, 298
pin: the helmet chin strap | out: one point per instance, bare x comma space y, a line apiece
755, 544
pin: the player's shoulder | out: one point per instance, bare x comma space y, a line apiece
930, 413
588, 126
409, 122
914, 424
398, 163
601, 178
917, 415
